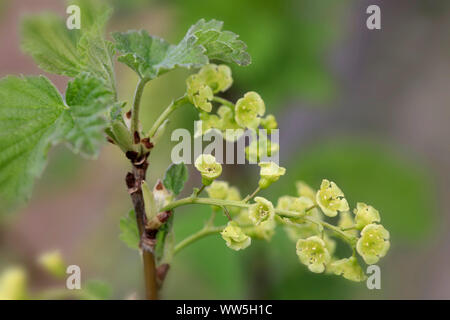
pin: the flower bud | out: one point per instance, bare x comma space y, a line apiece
304, 190
53, 263
13, 284
218, 190
122, 136
346, 221
365, 214
199, 93
269, 123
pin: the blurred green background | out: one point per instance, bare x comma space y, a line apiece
367, 109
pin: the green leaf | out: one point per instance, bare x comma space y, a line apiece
129, 232
31, 121
165, 243
151, 56
94, 13
175, 177
59, 50
97, 290
46, 38
89, 102
97, 57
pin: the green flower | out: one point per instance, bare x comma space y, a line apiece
269, 123
304, 190
199, 93
365, 214
296, 204
374, 243
346, 221
218, 190
209, 168
300, 231
261, 210
331, 199
349, 268
209, 121
249, 109
235, 238
13, 284
313, 253
218, 78
231, 131
264, 231
261, 148
221, 190
53, 263
270, 172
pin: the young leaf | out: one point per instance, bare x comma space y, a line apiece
129, 232
97, 54
46, 38
175, 177
150, 56
165, 242
31, 121
89, 101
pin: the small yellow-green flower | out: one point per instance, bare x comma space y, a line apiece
313, 253
218, 190
53, 263
261, 148
249, 109
374, 243
331, 199
269, 123
209, 122
270, 172
209, 168
264, 231
296, 204
346, 221
365, 214
13, 284
235, 238
218, 78
285, 202
349, 268
304, 190
231, 131
199, 93
261, 210
300, 231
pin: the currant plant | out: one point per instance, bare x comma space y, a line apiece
34, 116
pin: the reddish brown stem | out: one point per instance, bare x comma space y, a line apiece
134, 181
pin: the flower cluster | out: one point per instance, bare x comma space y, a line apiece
202, 86
302, 217
230, 119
